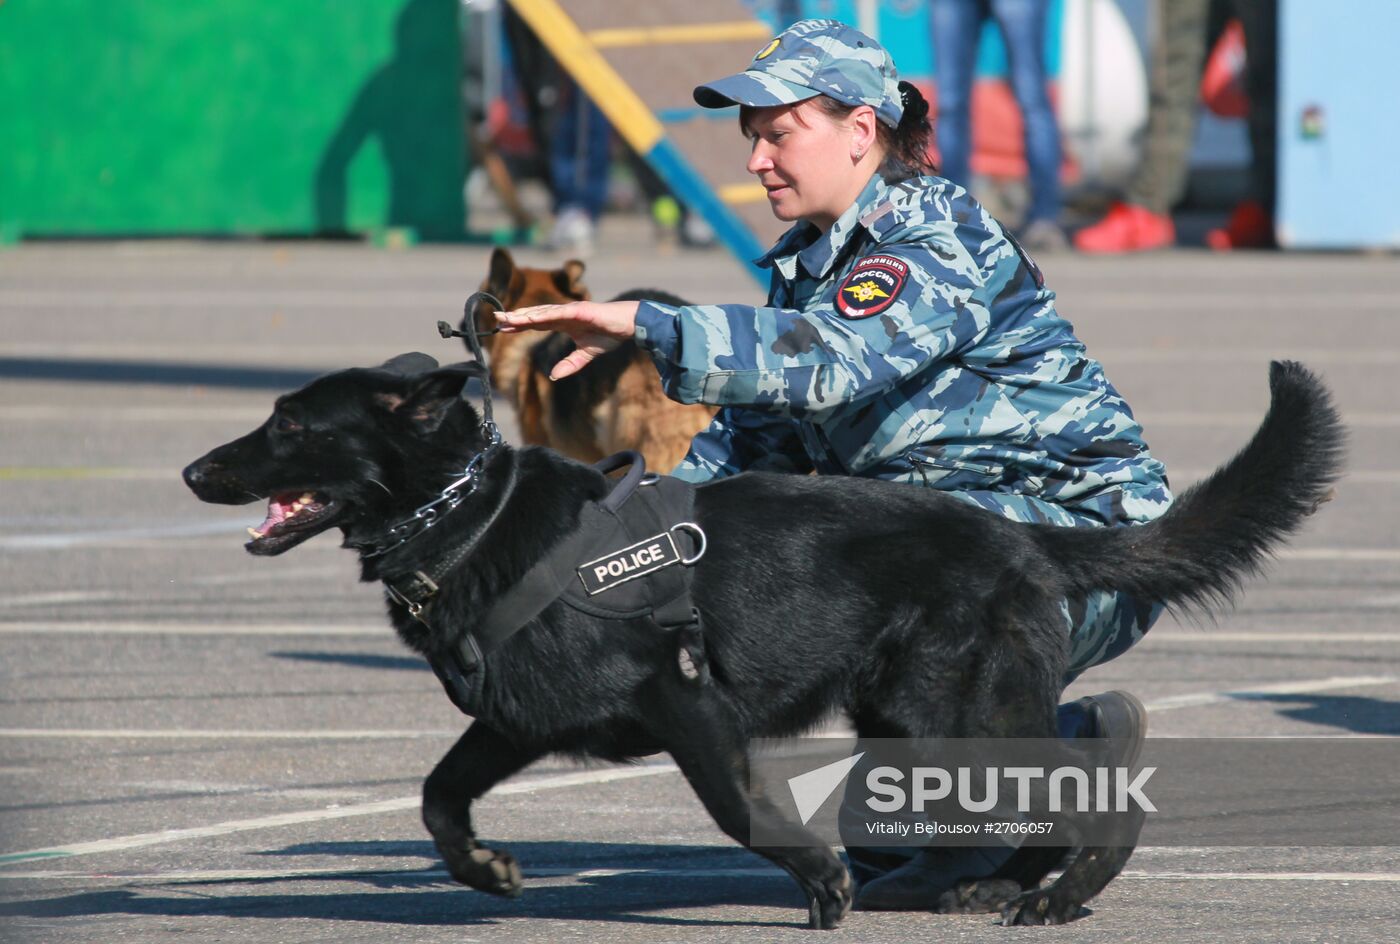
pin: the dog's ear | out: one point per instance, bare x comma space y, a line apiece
501, 274
566, 279
428, 397
410, 365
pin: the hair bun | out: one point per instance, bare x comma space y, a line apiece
913, 101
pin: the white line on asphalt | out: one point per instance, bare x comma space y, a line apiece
50, 598
214, 628
1185, 475
261, 875
1210, 636
44, 473
1189, 419
381, 630
86, 413
1301, 687
83, 412
555, 782
1357, 554
319, 734
29, 542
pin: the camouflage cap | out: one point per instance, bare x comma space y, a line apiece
811, 58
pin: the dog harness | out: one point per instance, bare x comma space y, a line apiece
630, 557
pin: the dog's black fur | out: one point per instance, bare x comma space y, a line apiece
916, 613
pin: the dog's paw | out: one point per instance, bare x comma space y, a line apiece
488, 870
831, 903
984, 896
1036, 908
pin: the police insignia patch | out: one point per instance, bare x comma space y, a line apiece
872, 286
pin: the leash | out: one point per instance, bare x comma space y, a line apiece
429, 514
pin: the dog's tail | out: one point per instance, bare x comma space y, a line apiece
1222, 529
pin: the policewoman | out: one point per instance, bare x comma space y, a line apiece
907, 337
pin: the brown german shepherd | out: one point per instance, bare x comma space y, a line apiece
616, 404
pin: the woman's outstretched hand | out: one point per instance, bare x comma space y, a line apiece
596, 327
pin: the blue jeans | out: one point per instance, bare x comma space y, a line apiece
956, 27
578, 157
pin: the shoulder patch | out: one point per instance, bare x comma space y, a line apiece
872, 286
1036, 275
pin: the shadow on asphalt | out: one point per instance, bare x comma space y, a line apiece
155, 372
1353, 713
358, 660
428, 897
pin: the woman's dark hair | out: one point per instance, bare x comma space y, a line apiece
906, 147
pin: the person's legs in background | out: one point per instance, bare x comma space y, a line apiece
1142, 220
1101, 628
578, 167
1251, 225
1022, 24
956, 25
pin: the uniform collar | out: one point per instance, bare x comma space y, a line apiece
817, 251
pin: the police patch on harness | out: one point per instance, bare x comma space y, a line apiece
638, 559
872, 286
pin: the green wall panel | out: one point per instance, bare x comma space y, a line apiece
230, 117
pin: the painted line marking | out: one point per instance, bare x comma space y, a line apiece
1349, 477
1358, 554
556, 782
133, 414
666, 35
50, 598
188, 529
197, 876
1209, 636
318, 734
68, 473
1302, 687
381, 630
1195, 420
730, 193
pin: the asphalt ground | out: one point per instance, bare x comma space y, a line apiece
194, 741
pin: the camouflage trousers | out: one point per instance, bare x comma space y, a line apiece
1101, 627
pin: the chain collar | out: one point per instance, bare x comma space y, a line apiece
426, 516
430, 514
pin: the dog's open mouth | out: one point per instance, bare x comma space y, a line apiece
292, 517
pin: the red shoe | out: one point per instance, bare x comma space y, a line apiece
1127, 228
1249, 228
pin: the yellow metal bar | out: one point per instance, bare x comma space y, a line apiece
632, 119
670, 35
742, 193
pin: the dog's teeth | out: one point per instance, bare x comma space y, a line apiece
307, 499
254, 533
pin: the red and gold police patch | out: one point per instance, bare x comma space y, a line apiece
872, 286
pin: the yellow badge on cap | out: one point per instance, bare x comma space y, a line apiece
767, 50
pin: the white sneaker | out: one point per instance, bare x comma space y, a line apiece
573, 231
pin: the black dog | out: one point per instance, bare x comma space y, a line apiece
916, 613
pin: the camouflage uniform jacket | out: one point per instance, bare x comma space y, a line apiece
913, 341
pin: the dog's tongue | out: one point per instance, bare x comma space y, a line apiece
279, 508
